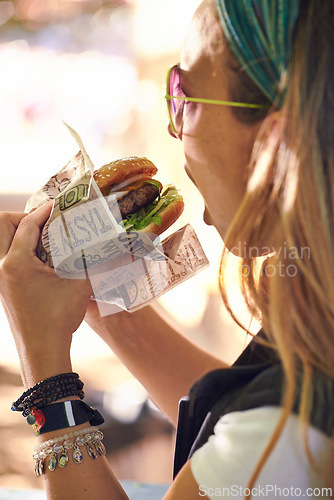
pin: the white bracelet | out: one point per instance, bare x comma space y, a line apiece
90, 437
58, 439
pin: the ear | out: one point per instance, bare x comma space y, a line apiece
278, 119
272, 128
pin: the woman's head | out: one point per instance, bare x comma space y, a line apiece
217, 144
244, 197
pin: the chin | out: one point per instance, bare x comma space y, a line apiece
207, 217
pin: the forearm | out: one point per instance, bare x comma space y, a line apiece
85, 479
162, 359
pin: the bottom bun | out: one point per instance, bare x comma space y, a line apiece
168, 216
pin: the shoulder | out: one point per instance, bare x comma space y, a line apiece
230, 455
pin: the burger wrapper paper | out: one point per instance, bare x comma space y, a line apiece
82, 239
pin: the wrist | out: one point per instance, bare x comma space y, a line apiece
37, 368
48, 394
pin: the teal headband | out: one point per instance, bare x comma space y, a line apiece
260, 34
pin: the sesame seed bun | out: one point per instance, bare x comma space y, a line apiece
118, 171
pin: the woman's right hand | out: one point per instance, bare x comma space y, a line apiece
43, 310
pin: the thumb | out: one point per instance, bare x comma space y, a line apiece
29, 230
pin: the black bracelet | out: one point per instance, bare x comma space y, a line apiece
51, 395
49, 390
50, 380
40, 385
49, 400
62, 415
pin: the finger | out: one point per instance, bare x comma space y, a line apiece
29, 230
9, 222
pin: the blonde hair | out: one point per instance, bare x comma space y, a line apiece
290, 203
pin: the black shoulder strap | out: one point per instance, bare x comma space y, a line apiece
221, 386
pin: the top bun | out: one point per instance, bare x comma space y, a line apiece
117, 171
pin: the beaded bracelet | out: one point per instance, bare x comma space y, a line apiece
51, 395
37, 388
46, 444
89, 437
48, 391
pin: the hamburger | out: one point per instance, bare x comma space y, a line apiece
137, 201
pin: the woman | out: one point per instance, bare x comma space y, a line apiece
262, 157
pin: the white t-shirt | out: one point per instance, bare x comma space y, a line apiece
223, 466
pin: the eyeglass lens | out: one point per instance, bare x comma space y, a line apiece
176, 106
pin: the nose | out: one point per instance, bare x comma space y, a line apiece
172, 134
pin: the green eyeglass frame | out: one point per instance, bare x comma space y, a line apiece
201, 100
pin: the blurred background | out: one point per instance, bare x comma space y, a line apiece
100, 65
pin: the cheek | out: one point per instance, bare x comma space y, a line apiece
217, 151
213, 132
216, 146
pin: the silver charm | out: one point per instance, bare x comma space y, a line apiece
39, 468
63, 459
52, 463
91, 450
101, 449
77, 455
37, 474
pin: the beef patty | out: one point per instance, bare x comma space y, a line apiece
134, 200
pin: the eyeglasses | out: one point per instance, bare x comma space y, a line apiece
176, 100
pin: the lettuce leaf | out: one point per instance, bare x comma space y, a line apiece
150, 213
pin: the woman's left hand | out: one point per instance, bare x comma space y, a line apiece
43, 309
